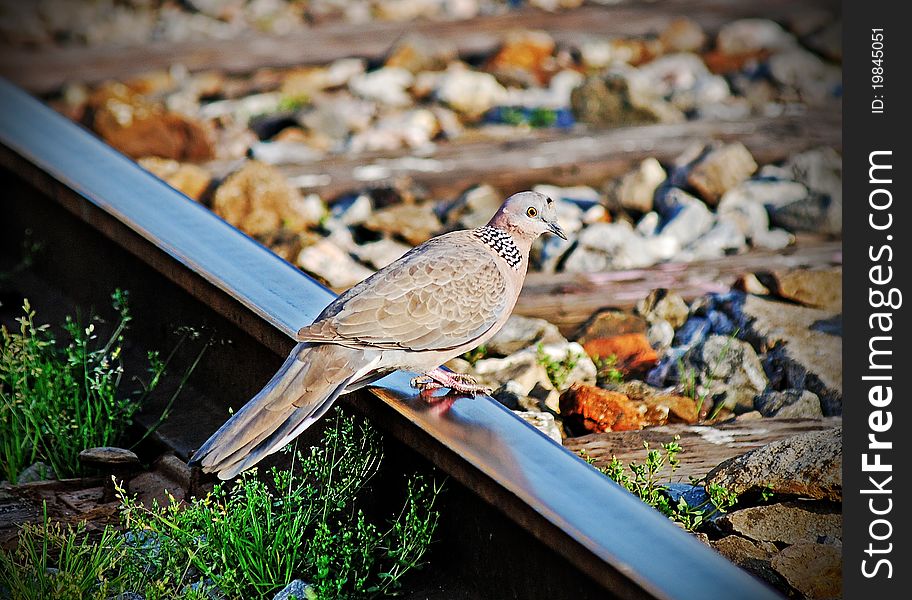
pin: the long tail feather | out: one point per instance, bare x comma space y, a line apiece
303, 389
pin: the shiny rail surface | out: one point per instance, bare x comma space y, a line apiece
623, 545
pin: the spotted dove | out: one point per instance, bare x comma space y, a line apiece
439, 300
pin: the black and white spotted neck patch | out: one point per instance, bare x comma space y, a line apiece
501, 242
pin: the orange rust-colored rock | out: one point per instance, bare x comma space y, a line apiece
525, 53
138, 127
721, 63
681, 409
188, 178
632, 351
590, 409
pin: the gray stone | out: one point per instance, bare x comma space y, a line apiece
774, 239
813, 79
691, 220
352, 210
720, 170
723, 239
663, 305
800, 354
380, 253
817, 213
660, 335
765, 192
549, 250
285, 153
692, 332
542, 421
387, 85
609, 246
719, 323
521, 332
414, 223
807, 465
471, 93
684, 80
786, 523
752, 556
792, 404
38, 471
332, 264
746, 36
649, 224
297, 589
614, 101
724, 366
635, 190
815, 570
515, 377
473, 208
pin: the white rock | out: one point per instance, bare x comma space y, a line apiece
649, 224
608, 246
353, 213
285, 153
332, 264
310, 207
763, 192
751, 35
724, 238
343, 70
804, 71
691, 220
410, 129
773, 239
380, 253
636, 189
542, 421
469, 92
387, 85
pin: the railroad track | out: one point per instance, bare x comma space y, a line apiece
557, 529
47, 70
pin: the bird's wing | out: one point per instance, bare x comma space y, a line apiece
441, 295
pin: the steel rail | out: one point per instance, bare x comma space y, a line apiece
623, 545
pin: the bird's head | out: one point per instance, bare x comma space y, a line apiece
528, 215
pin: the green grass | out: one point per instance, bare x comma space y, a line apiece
688, 377
58, 398
476, 354
643, 480
607, 371
247, 539
64, 562
558, 369
250, 539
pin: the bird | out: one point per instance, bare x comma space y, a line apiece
439, 300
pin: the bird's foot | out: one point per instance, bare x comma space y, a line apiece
458, 382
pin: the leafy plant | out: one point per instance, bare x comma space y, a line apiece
250, 539
558, 369
606, 367
64, 562
699, 394
642, 480
56, 400
476, 354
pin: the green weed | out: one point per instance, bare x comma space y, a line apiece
57, 400
252, 538
643, 481
558, 369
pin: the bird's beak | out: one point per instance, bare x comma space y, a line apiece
554, 228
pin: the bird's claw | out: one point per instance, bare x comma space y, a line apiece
457, 382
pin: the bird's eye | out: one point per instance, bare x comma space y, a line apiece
532, 212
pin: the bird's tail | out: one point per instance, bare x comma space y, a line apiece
303, 389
